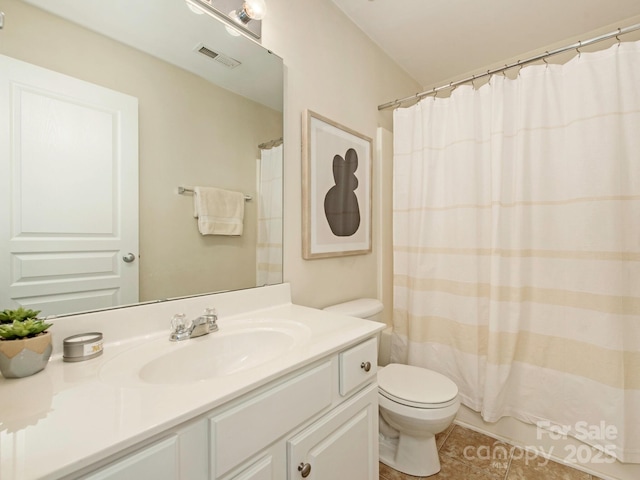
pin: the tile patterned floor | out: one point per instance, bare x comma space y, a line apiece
469, 455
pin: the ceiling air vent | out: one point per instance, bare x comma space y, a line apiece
218, 57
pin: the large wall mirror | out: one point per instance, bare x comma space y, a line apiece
206, 110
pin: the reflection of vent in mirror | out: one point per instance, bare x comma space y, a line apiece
218, 57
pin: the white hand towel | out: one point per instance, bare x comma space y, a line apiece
219, 212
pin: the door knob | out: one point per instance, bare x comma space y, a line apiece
304, 469
129, 257
366, 366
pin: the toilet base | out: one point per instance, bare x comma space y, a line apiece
410, 455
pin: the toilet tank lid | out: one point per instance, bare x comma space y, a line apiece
361, 307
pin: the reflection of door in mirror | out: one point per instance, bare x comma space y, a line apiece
70, 190
200, 122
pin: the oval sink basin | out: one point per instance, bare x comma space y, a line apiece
238, 346
217, 356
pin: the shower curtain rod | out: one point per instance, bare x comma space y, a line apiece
270, 144
519, 63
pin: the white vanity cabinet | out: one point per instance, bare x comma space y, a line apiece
307, 427
279, 392
319, 422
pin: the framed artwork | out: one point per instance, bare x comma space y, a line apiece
336, 189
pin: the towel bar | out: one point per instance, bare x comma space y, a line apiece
183, 190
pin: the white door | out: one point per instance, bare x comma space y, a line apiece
68, 192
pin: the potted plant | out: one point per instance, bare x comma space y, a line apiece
25, 344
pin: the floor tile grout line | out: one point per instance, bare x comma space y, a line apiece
506, 474
487, 472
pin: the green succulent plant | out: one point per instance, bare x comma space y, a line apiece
20, 314
21, 323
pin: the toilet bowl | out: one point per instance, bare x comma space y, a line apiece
415, 404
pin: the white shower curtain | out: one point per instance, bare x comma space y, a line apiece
517, 244
269, 246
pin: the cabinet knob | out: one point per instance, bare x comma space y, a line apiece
304, 469
366, 366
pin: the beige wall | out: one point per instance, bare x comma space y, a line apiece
558, 59
332, 68
191, 133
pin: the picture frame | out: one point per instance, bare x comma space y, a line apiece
337, 185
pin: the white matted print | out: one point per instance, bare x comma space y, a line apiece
336, 190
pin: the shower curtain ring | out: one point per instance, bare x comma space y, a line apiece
578, 48
618, 36
544, 59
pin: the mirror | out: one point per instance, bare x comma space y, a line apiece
209, 107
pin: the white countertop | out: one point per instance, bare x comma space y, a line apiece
68, 417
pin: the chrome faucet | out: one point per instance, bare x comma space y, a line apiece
183, 329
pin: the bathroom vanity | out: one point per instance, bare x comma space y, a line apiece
280, 392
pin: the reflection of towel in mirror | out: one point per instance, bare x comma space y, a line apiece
219, 212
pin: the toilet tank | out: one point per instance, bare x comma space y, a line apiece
369, 308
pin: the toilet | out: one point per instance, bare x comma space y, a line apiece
414, 404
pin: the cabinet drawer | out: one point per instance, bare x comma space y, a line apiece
239, 433
354, 363
261, 470
158, 461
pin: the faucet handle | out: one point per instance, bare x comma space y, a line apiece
211, 316
180, 326
179, 322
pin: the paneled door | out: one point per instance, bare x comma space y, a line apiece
68, 192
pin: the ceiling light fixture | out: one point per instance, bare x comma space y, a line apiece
239, 19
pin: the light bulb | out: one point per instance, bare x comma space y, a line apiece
251, 10
255, 9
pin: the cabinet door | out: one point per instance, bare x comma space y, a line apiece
342, 445
261, 470
241, 432
157, 462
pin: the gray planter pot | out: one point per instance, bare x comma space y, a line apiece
24, 357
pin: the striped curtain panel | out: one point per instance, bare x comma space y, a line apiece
269, 244
517, 244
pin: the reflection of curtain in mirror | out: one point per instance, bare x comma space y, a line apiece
269, 245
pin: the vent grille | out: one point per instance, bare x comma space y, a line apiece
207, 52
217, 56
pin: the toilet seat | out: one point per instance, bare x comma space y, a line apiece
416, 387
